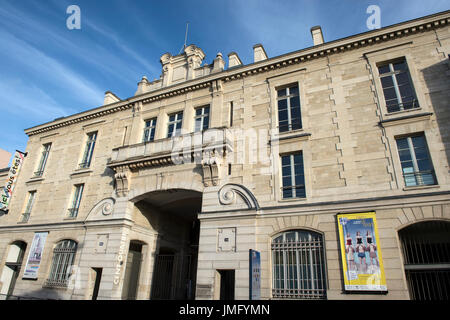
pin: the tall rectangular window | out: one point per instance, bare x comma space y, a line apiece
397, 86
201, 118
149, 130
174, 126
43, 161
289, 115
29, 206
76, 200
293, 176
88, 150
415, 160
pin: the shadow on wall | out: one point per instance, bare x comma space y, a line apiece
437, 80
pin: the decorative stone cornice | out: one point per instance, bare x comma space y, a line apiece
353, 42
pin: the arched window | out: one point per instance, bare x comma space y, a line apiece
298, 265
63, 257
426, 254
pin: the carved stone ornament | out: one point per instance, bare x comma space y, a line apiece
211, 167
122, 177
231, 193
101, 209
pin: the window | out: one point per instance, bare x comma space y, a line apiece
415, 160
298, 265
43, 161
293, 176
149, 130
289, 116
201, 118
397, 86
63, 258
175, 121
89, 150
73, 210
30, 202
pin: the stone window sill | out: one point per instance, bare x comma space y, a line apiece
420, 187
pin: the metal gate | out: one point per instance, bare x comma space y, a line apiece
172, 277
426, 253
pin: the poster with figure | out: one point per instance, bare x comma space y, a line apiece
362, 263
34, 256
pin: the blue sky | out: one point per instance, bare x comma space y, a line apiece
48, 71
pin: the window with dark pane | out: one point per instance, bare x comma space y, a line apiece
293, 177
289, 113
201, 118
397, 86
174, 125
88, 150
415, 160
149, 130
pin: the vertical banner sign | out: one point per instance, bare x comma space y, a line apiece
255, 275
34, 257
360, 252
6, 193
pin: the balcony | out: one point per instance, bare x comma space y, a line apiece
185, 148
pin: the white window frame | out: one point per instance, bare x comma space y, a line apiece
89, 150
416, 173
176, 120
29, 206
76, 200
202, 117
392, 73
43, 161
148, 129
287, 97
293, 186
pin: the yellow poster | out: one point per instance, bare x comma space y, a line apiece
360, 252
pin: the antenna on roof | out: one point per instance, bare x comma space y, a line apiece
185, 37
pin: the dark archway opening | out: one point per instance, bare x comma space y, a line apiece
426, 255
173, 215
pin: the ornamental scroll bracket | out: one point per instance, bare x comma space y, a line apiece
231, 193
102, 209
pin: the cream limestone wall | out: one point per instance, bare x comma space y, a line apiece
350, 159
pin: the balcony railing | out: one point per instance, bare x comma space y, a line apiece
25, 217
419, 178
175, 147
73, 212
407, 104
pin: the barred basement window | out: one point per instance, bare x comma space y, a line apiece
89, 150
415, 160
298, 265
397, 86
149, 130
174, 126
289, 115
45, 152
62, 263
201, 118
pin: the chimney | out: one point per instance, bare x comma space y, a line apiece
110, 98
317, 35
142, 86
259, 54
233, 60
219, 64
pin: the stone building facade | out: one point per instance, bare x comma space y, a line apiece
162, 195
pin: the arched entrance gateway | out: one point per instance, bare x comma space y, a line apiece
172, 216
